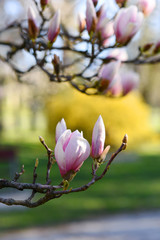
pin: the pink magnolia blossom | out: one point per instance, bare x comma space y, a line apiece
60, 128
54, 27
91, 18
33, 29
127, 23
107, 75
146, 6
71, 151
98, 138
129, 81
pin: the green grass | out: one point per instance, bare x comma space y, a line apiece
130, 185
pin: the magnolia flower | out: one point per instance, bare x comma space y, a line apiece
107, 75
146, 6
54, 27
127, 23
71, 151
60, 128
98, 138
33, 29
129, 81
91, 17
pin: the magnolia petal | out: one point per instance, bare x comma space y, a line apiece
90, 15
60, 128
54, 27
77, 151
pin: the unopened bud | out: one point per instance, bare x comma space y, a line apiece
36, 162
41, 139
56, 63
95, 2
121, 3
44, 3
54, 27
91, 18
125, 141
33, 29
146, 47
157, 48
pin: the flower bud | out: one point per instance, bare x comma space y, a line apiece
33, 29
95, 2
56, 63
146, 47
54, 27
157, 48
121, 2
127, 23
44, 3
125, 141
98, 138
60, 128
107, 75
71, 151
146, 6
91, 18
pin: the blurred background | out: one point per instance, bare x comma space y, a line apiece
33, 107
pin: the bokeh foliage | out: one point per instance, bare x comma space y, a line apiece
129, 115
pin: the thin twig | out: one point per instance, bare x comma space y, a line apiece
18, 175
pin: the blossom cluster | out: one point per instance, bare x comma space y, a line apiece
72, 149
112, 79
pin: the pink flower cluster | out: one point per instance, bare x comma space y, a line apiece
54, 26
97, 23
72, 149
115, 82
125, 25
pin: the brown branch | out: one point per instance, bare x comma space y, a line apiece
49, 165
34, 179
49, 191
18, 175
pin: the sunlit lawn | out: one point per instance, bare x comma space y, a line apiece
133, 184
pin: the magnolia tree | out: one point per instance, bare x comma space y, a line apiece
97, 34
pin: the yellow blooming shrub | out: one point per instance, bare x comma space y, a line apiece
121, 115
